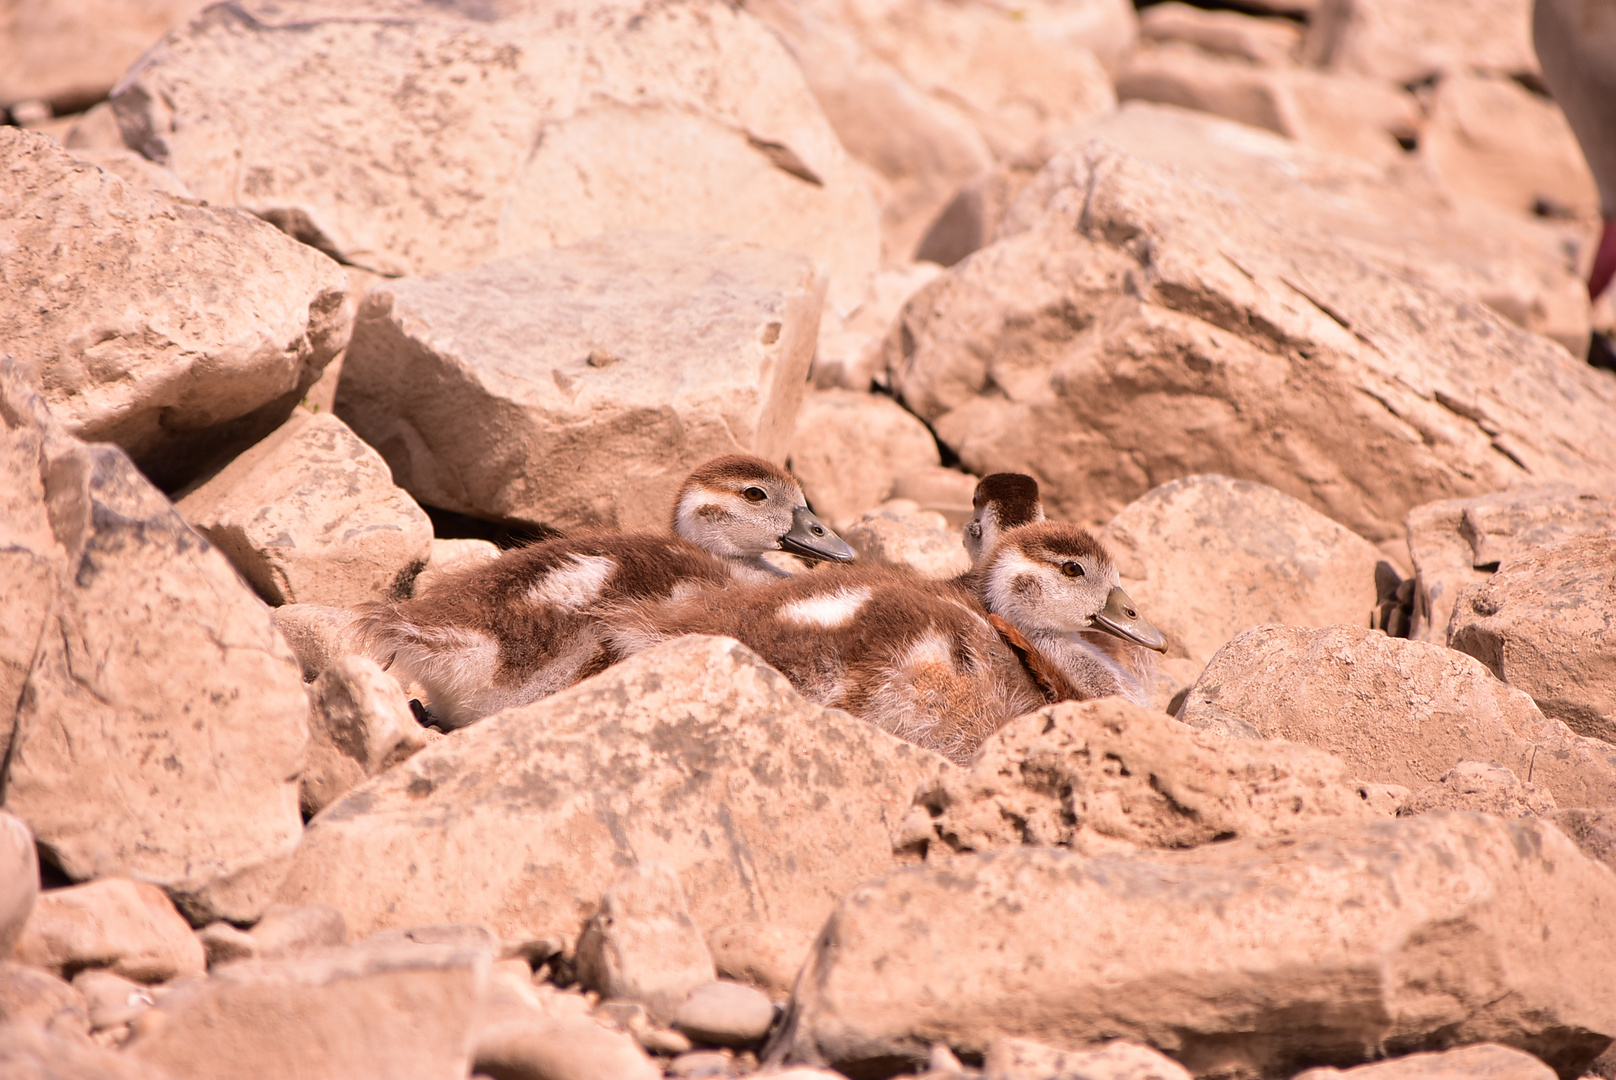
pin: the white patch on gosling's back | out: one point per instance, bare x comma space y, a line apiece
833, 610
575, 586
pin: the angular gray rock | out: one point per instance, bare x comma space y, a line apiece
360, 725
661, 349
1396, 711
1132, 324
163, 721
173, 329
126, 926
366, 1012
642, 945
19, 879
1545, 623
310, 515
507, 130
694, 754
1252, 957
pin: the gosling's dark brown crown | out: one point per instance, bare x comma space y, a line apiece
735, 468
1054, 541
1014, 495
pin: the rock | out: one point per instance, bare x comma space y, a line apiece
30, 1054
1485, 787
1019, 1059
948, 492
19, 880
1594, 831
849, 352
530, 1032
725, 1014
133, 170
1091, 774
1396, 711
310, 515
1340, 114
127, 926
70, 56
449, 556
1268, 41
657, 348
850, 447
900, 533
1251, 957
225, 944
701, 1063
32, 563
1355, 390
388, 1012
163, 721
97, 129
1489, 138
521, 821
1544, 624
176, 330
319, 635
766, 955
1407, 41
1460, 542
286, 931
37, 999
691, 119
1486, 1061
1209, 556
112, 999
642, 945
360, 725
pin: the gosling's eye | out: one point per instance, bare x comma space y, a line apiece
754, 494
1072, 569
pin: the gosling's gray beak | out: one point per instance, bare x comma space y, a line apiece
810, 538
1121, 618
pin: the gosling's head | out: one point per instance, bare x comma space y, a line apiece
741, 505
1002, 501
1059, 579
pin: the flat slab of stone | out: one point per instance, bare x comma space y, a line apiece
1485, 1061
1251, 957
174, 329
694, 754
598, 375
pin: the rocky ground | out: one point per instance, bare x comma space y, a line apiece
304, 304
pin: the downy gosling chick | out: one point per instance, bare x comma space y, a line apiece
524, 625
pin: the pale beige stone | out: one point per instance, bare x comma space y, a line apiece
1545, 623
1489, 138
70, 55
31, 997
1021, 1059
661, 349
948, 492
1406, 41
850, 447
27, 1053
1485, 787
1396, 711
536, 1032
174, 329
766, 955
163, 722
97, 129
360, 725
133, 170
111, 999
127, 926
1090, 346
642, 945
225, 944
1187, 951
725, 1014
522, 820
32, 561
1207, 557
310, 515
1063, 775
1484, 1061
1266, 41
292, 930
691, 118
849, 351
19, 880
900, 533
397, 1012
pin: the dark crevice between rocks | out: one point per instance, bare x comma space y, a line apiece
503, 533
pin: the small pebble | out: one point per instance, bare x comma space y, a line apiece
725, 1014
699, 1063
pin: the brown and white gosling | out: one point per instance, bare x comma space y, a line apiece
921, 659
524, 625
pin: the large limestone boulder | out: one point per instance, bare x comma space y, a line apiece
694, 754
163, 719
1409, 41
1455, 543
310, 515
1251, 957
501, 131
173, 329
850, 448
1545, 623
1396, 711
1132, 325
1207, 557
599, 375
1081, 774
